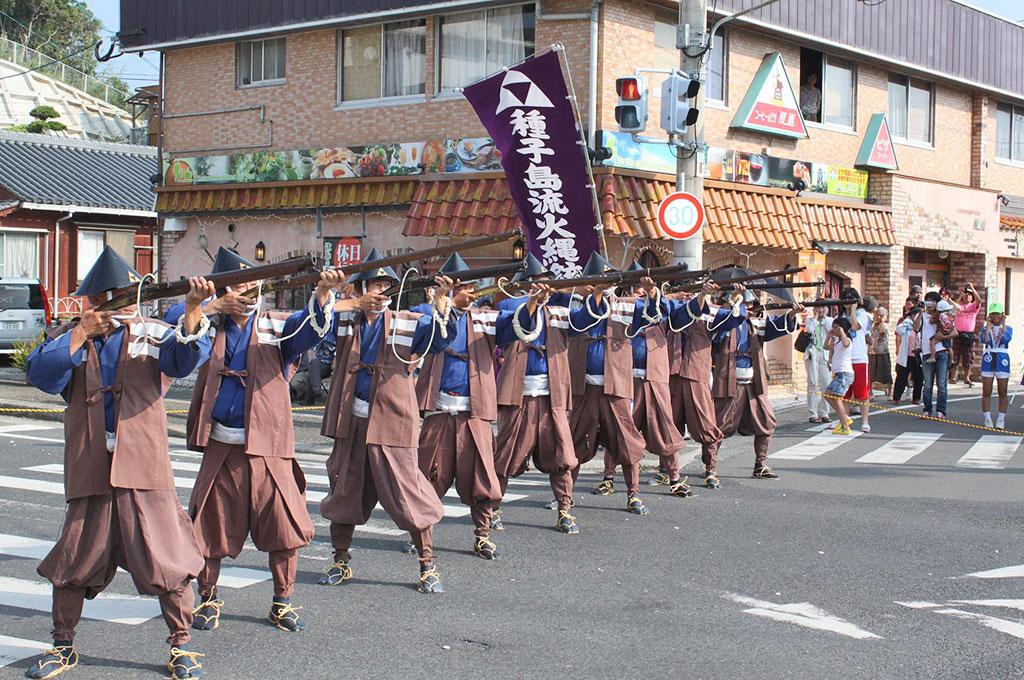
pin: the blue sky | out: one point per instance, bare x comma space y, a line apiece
143, 71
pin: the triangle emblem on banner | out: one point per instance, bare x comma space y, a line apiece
877, 150
535, 98
771, 104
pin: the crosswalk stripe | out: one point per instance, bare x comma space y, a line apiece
1015, 571
13, 650
901, 449
36, 549
112, 607
312, 496
991, 452
27, 427
817, 445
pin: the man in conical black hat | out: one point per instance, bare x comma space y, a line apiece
122, 508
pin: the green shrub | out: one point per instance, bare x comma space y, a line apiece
19, 359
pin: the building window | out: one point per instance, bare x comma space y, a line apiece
827, 89
665, 35
476, 44
386, 60
1010, 133
91, 243
259, 61
1007, 287
19, 255
910, 109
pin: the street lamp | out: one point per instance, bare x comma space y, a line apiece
261, 252
518, 249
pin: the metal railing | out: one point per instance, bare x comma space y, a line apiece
26, 56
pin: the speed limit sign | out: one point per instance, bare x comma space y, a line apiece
681, 216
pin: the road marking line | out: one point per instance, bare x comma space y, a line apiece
1007, 604
14, 649
901, 449
990, 452
36, 549
1002, 572
802, 614
33, 438
31, 485
995, 623
26, 427
127, 609
919, 605
817, 445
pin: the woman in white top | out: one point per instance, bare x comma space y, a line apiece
908, 351
817, 326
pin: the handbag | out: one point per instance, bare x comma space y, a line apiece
803, 341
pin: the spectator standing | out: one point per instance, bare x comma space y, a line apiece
818, 326
810, 99
879, 362
936, 372
967, 308
908, 353
859, 313
840, 345
995, 363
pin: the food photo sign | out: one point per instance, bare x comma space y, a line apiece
340, 162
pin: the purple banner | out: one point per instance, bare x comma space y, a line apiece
529, 116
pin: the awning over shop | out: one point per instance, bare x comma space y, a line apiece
463, 207
1011, 221
830, 221
753, 216
286, 196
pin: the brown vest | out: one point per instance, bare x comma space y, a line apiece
480, 337
513, 368
694, 361
618, 352
269, 430
657, 353
140, 459
394, 414
725, 362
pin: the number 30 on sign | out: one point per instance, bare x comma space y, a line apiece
681, 216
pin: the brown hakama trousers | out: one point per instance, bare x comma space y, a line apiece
236, 495
694, 410
146, 533
361, 474
751, 415
460, 448
534, 431
652, 415
599, 418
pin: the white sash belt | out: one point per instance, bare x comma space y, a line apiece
360, 408
640, 373
744, 375
536, 386
450, 403
111, 440
227, 435
595, 379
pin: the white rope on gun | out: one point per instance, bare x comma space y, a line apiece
145, 337
433, 326
528, 338
724, 320
501, 287
320, 330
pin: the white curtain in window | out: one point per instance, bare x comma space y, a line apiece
919, 112
90, 245
21, 255
463, 44
405, 58
1017, 139
898, 108
1004, 116
123, 243
505, 40
716, 69
839, 92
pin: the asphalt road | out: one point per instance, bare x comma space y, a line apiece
843, 568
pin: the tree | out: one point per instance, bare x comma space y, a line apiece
53, 27
44, 121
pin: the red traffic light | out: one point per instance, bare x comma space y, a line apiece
628, 89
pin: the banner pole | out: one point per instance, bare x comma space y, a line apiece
582, 142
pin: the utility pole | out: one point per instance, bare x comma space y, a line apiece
690, 37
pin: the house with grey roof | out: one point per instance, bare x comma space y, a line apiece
62, 200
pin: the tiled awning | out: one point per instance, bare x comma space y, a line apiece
286, 196
752, 216
462, 207
1011, 221
835, 222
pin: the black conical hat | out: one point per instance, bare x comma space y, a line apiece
228, 260
379, 273
110, 272
635, 267
532, 267
453, 265
597, 265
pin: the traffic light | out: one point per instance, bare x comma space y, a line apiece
676, 113
631, 111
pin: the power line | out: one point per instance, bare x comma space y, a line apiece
53, 61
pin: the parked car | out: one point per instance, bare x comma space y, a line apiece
24, 312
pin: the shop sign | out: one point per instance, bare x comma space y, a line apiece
877, 151
771, 104
343, 251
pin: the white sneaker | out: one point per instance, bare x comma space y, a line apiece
865, 428
1001, 421
988, 420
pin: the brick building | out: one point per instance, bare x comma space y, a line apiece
305, 128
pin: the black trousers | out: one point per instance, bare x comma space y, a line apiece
912, 371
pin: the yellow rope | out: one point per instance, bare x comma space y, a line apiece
170, 410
